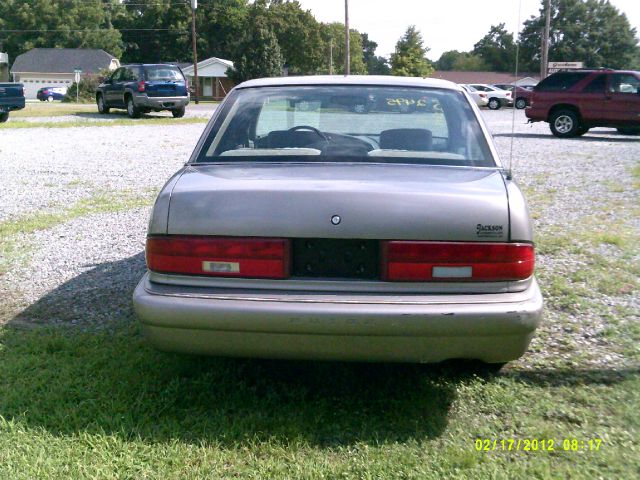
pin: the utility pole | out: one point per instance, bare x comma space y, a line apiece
347, 51
194, 5
544, 56
331, 56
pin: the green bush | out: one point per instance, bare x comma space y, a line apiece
86, 88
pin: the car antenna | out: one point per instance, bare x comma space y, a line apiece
515, 94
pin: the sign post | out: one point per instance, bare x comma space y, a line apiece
557, 66
77, 73
196, 92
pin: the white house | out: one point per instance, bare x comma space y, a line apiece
54, 67
212, 77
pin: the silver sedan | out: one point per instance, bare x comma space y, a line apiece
351, 218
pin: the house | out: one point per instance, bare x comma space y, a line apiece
212, 77
525, 79
4, 67
54, 67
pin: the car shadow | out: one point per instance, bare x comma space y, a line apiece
119, 114
78, 378
95, 371
611, 137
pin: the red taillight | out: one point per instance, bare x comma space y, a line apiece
141, 86
414, 261
483, 95
219, 256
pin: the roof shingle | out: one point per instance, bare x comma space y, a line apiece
62, 60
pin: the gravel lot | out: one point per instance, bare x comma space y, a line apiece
82, 272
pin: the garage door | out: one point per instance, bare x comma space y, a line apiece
32, 85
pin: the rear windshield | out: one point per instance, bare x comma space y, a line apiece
163, 73
348, 123
560, 81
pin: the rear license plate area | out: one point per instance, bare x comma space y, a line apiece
335, 258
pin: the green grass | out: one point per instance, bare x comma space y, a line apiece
107, 406
118, 122
54, 109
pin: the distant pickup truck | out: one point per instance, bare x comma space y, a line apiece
11, 98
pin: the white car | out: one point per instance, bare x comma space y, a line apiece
480, 98
497, 97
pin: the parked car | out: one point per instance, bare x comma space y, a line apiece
572, 102
11, 98
479, 97
142, 88
520, 95
50, 94
333, 234
497, 97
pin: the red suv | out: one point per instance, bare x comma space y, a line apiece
575, 101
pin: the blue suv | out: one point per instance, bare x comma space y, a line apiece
142, 88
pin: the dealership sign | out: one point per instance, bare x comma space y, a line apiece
557, 66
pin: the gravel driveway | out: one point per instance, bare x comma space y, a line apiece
81, 270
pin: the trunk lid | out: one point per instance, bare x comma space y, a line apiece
372, 201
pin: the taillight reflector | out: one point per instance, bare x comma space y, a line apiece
141, 86
219, 256
416, 261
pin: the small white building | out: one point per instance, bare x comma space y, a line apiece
212, 77
54, 67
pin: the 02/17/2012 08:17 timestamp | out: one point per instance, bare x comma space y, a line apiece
537, 445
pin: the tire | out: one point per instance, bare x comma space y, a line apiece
49, 98
178, 112
494, 104
102, 108
4, 117
629, 130
564, 123
521, 103
132, 110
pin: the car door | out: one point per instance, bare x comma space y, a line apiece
109, 88
591, 100
623, 98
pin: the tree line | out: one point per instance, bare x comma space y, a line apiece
263, 37
590, 31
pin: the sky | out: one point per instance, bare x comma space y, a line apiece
444, 24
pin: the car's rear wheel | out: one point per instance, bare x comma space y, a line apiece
629, 130
494, 104
521, 103
132, 110
564, 123
4, 117
178, 112
49, 98
102, 108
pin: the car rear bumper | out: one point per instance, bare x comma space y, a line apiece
163, 103
408, 328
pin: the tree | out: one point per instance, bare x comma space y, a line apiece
55, 24
375, 65
258, 53
461, 61
299, 35
409, 57
590, 31
155, 31
497, 49
334, 33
